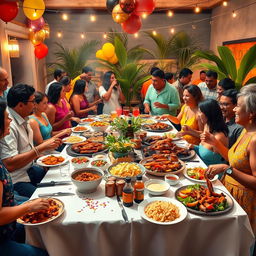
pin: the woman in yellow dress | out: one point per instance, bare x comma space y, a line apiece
188, 116
240, 174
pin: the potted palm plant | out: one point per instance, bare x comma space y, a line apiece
129, 73
225, 64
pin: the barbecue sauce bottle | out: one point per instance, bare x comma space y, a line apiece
138, 190
129, 131
127, 194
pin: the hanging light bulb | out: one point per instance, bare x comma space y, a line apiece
34, 14
170, 13
136, 35
172, 30
225, 3
144, 15
82, 35
197, 9
59, 34
154, 33
64, 16
233, 14
93, 18
105, 36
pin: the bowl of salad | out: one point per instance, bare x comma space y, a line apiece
80, 162
100, 163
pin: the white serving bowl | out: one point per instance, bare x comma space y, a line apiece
156, 187
80, 165
87, 186
174, 179
103, 167
99, 128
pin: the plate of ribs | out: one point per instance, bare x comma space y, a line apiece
86, 148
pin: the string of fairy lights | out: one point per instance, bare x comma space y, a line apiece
169, 12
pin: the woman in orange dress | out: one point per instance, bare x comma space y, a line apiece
188, 115
240, 174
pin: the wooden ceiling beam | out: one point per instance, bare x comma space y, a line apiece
101, 4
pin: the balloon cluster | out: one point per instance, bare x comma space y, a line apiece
107, 52
128, 12
39, 30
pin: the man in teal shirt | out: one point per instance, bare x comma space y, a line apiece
161, 97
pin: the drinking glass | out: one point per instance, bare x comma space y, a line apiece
119, 111
113, 114
136, 111
126, 111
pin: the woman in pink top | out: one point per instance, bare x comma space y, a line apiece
58, 113
79, 102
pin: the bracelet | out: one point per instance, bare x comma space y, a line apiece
36, 151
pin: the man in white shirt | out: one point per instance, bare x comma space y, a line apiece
57, 74
209, 87
17, 150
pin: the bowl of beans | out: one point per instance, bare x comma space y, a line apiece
79, 162
87, 180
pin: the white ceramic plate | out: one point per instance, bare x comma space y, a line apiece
61, 210
76, 139
39, 160
80, 131
195, 180
182, 208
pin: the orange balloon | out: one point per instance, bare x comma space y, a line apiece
37, 37
118, 15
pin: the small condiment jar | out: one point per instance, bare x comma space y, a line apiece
127, 193
110, 188
119, 187
138, 190
112, 178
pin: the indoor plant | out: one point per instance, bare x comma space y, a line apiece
119, 146
121, 124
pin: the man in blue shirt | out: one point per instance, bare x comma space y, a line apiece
3, 84
161, 97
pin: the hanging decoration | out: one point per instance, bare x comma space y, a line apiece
41, 51
33, 9
128, 12
37, 38
107, 52
36, 25
8, 10
111, 4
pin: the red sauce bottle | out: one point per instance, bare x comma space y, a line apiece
138, 190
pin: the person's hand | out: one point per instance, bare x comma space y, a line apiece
67, 131
215, 169
180, 134
69, 115
98, 101
50, 144
147, 109
38, 204
159, 105
114, 83
208, 138
76, 119
94, 108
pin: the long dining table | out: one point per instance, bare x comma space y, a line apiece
92, 224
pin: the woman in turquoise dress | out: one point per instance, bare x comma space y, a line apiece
9, 212
42, 129
213, 122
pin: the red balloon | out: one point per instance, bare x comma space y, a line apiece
144, 7
8, 10
132, 24
41, 51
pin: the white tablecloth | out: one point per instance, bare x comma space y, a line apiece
92, 225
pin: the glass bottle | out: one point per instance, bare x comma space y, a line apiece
139, 190
127, 194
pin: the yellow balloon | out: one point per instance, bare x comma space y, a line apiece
46, 29
100, 55
108, 50
33, 9
118, 15
113, 59
37, 37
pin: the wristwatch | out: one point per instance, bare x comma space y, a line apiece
229, 171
